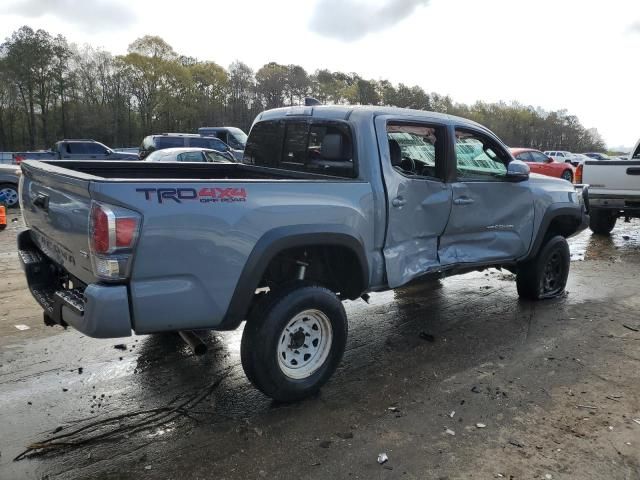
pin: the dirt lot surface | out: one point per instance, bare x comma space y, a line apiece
451, 380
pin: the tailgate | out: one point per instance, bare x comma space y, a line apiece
55, 204
618, 177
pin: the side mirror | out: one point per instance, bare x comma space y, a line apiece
550, 160
518, 171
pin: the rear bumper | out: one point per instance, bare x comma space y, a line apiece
621, 203
99, 311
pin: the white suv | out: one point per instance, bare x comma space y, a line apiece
560, 156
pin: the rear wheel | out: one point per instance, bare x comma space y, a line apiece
294, 341
10, 193
568, 176
601, 222
546, 275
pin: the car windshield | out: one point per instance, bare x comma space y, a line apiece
155, 156
215, 157
240, 137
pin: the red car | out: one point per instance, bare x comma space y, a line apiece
539, 163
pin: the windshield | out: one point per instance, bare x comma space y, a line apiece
215, 157
240, 137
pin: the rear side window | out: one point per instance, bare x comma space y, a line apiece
324, 148
191, 157
169, 142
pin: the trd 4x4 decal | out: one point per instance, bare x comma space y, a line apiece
203, 195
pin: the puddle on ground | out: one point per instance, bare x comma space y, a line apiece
625, 238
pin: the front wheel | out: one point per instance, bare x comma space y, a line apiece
294, 341
568, 176
601, 222
546, 275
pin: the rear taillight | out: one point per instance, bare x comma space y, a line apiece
578, 178
17, 159
113, 232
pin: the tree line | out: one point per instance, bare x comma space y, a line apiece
51, 89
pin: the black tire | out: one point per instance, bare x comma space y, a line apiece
14, 194
601, 222
546, 275
265, 333
568, 176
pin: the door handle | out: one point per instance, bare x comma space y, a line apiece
398, 202
463, 201
41, 201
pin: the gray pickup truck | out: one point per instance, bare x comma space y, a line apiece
329, 203
75, 150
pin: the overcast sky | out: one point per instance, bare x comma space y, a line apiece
579, 55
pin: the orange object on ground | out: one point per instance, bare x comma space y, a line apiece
3, 217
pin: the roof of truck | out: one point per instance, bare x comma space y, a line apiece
345, 112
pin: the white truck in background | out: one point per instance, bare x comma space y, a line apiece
614, 191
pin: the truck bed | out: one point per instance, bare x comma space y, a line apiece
122, 170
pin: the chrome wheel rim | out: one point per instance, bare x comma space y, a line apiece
567, 176
304, 344
10, 195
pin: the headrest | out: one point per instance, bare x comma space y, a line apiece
333, 147
395, 152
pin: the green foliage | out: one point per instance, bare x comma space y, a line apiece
51, 90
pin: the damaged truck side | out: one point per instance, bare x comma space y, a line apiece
329, 203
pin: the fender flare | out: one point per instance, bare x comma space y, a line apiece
553, 212
277, 240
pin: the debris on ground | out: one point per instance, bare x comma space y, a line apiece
147, 467
480, 425
637, 420
325, 443
120, 426
345, 435
452, 414
587, 407
448, 431
80, 370
120, 346
548, 476
516, 443
394, 409
475, 389
626, 237
427, 336
629, 327
382, 458
22, 327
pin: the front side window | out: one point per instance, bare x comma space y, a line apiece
539, 157
209, 142
525, 157
479, 158
415, 150
324, 148
636, 154
215, 157
94, 149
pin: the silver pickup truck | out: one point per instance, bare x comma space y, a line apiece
614, 190
75, 149
329, 203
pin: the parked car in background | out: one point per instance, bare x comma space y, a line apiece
232, 136
578, 159
540, 163
597, 156
560, 156
9, 179
614, 191
198, 155
133, 150
151, 143
82, 149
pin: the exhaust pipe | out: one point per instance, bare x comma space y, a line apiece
197, 346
